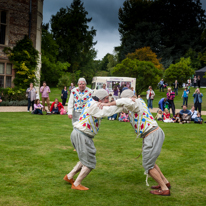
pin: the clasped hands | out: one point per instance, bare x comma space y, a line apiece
101, 105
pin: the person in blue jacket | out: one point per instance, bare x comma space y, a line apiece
198, 100
162, 103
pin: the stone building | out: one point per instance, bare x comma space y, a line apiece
17, 19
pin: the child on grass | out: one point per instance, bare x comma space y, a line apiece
55, 109
166, 115
159, 115
198, 119
177, 118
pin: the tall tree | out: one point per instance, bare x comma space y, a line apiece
51, 69
71, 31
169, 27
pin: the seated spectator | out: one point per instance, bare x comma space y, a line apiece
166, 116
159, 115
114, 116
126, 118
59, 106
122, 117
198, 119
37, 107
186, 114
177, 118
193, 113
0, 100
55, 109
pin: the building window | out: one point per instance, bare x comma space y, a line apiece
3, 24
5, 75
1, 81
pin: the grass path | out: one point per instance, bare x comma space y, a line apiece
36, 153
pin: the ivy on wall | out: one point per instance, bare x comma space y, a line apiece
24, 58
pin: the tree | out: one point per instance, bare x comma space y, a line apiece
24, 57
169, 27
180, 71
51, 69
195, 59
71, 32
146, 73
146, 54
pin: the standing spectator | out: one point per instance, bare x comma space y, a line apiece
198, 100
170, 98
150, 97
162, 103
71, 87
161, 83
198, 81
176, 84
64, 95
31, 92
38, 107
193, 113
185, 96
133, 91
186, 114
58, 104
115, 90
114, 116
125, 87
77, 100
104, 87
45, 90
195, 81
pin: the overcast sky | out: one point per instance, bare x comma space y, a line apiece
104, 15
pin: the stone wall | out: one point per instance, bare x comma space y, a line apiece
18, 23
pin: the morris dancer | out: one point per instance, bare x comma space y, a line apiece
77, 100
82, 136
144, 124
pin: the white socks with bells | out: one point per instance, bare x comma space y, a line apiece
84, 172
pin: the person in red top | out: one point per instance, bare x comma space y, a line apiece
59, 105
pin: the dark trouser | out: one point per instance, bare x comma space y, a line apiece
185, 99
150, 103
198, 84
176, 91
38, 111
198, 105
171, 102
161, 86
195, 84
30, 104
53, 112
64, 101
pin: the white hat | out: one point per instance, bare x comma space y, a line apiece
127, 93
101, 94
82, 80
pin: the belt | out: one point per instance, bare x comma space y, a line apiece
83, 133
150, 132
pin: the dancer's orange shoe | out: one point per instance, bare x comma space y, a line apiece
79, 187
71, 181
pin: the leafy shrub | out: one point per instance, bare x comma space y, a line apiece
14, 103
12, 94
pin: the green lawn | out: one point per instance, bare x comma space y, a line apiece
36, 153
